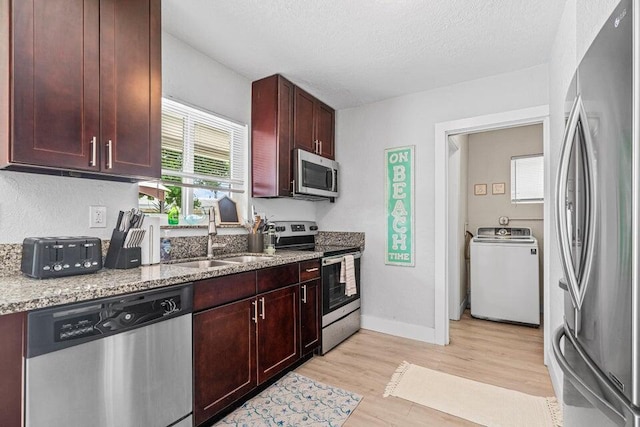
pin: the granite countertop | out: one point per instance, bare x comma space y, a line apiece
21, 293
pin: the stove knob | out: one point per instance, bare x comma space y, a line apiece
87, 264
313, 228
57, 267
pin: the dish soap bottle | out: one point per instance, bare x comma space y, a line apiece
173, 214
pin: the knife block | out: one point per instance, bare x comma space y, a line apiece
120, 257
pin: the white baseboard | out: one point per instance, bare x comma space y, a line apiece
400, 329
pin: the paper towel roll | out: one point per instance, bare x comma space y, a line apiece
150, 246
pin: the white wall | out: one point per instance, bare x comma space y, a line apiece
400, 300
34, 205
189, 75
580, 23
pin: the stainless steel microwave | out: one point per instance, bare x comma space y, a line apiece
315, 177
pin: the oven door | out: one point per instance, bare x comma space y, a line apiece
333, 292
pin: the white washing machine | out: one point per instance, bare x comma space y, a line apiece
505, 282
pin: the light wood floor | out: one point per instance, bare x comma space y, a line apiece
505, 355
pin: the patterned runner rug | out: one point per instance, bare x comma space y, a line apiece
474, 401
295, 400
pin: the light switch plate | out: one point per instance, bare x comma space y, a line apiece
97, 216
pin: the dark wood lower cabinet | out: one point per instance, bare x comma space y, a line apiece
278, 345
12, 331
310, 316
224, 357
238, 346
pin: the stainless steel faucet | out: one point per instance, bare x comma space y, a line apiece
212, 232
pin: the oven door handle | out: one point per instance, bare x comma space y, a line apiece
338, 258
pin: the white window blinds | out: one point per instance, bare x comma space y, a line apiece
201, 150
527, 179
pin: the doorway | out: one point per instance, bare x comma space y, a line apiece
443, 154
495, 180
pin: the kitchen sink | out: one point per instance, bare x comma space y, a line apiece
245, 258
207, 263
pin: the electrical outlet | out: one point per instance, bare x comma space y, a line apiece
97, 216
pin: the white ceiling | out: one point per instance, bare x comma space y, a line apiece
353, 52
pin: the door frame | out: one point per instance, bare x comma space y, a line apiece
453, 216
507, 119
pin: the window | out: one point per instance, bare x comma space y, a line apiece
203, 158
527, 179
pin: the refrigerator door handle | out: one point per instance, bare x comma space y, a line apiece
576, 284
561, 192
592, 396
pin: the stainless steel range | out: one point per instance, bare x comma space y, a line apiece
340, 306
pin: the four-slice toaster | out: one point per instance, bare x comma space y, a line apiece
45, 257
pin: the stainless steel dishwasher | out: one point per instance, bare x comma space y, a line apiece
119, 361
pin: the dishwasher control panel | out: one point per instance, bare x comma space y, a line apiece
52, 329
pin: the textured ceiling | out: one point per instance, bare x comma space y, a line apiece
353, 52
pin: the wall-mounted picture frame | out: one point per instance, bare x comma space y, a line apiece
480, 189
497, 188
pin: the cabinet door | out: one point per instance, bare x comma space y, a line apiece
271, 136
303, 122
224, 357
310, 315
11, 358
285, 136
130, 86
325, 124
278, 345
56, 83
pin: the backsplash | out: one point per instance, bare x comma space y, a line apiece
10, 256
188, 247
340, 238
196, 246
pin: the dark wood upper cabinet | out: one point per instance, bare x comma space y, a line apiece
130, 86
284, 117
86, 80
304, 134
325, 130
271, 137
314, 125
56, 68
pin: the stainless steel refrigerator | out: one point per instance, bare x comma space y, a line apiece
598, 224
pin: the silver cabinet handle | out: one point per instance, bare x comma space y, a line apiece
110, 154
598, 401
255, 311
311, 270
304, 293
94, 148
262, 315
320, 150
